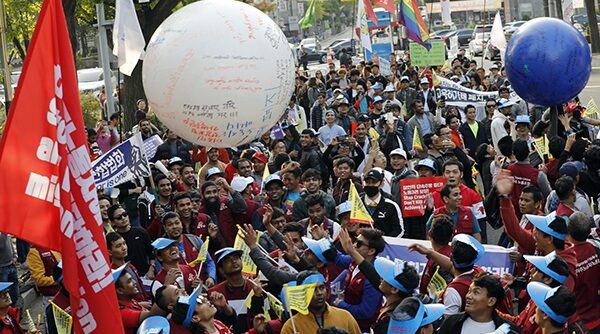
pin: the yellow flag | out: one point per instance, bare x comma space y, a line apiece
404, 111
62, 319
417, 145
265, 308
539, 144
437, 285
201, 254
436, 80
298, 297
248, 266
358, 214
591, 108
374, 134
546, 143
275, 305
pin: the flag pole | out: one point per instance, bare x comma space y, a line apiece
483, 35
8, 90
105, 58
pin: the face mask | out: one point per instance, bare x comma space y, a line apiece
371, 191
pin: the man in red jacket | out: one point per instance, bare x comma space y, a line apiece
463, 218
172, 271
588, 270
549, 232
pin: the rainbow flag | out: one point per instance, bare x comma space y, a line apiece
410, 17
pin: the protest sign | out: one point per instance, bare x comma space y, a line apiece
419, 56
298, 297
496, 259
151, 145
249, 268
414, 193
385, 67
121, 164
457, 95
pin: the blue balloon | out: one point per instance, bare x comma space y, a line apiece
548, 62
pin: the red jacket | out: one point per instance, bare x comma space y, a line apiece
469, 197
461, 284
10, 322
524, 175
226, 222
465, 219
354, 293
187, 272
431, 267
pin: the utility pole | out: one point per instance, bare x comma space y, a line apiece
104, 53
8, 90
593, 25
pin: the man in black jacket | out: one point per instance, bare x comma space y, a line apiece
173, 147
385, 213
309, 156
485, 293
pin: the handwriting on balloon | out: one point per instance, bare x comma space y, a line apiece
176, 76
234, 129
204, 132
273, 37
249, 27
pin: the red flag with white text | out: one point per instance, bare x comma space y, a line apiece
48, 192
370, 11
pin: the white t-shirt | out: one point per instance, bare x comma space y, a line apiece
473, 327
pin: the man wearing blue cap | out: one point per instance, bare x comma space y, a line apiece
483, 297
320, 313
197, 313
172, 272
554, 306
549, 232
550, 270
132, 313
230, 295
412, 316
396, 280
9, 316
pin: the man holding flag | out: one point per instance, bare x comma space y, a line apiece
48, 174
308, 296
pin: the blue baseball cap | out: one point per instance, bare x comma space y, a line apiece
377, 86
503, 103
377, 99
523, 119
5, 285
432, 313
190, 301
344, 207
540, 293
542, 223
474, 243
389, 270
427, 162
153, 325
117, 273
162, 243
314, 278
401, 322
225, 252
542, 263
318, 247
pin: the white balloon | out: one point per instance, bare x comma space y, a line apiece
218, 73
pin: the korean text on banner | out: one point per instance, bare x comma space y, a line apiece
419, 56
496, 259
46, 169
298, 297
122, 163
414, 193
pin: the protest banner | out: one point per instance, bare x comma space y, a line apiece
121, 164
358, 214
298, 297
385, 67
457, 95
151, 145
419, 56
414, 193
496, 259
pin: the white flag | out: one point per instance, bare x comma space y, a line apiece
128, 39
497, 37
361, 23
445, 5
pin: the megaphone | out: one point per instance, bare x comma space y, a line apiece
159, 165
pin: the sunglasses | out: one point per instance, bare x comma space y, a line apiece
360, 243
121, 216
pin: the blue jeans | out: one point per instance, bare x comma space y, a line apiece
9, 274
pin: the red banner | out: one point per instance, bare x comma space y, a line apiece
414, 194
387, 5
48, 191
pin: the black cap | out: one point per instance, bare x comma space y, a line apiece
374, 174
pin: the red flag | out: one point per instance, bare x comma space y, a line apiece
370, 11
48, 191
387, 5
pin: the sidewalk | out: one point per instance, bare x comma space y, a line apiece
595, 60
